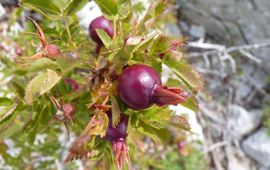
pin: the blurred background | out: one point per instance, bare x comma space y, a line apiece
229, 44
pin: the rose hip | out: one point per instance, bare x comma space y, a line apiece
139, 86
100, 23
73, 83
117, 136
119, 131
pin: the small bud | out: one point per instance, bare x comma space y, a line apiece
52, 51
73, 83
19, 51
182, 148
133, 40
69, 110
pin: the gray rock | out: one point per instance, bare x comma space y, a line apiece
263, 168
260, 78
197, 31
174, 30
257, 146
247, 68
236, 162
236, 22
184, 26
242, 89
242, 122
9, 2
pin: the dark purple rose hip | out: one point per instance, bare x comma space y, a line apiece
139, 86
100, 23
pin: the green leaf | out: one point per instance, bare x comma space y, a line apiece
171, 82
158, 135
74, 6
40, 84
191, 104
4, 101
64, 88
160, 45
160, 7
45, 114
142, 43
154, 10
108, 7
185, 72
115, 111
42, 64
156, 113
156, 64
105, 38
8, 112
44, 6
9, 130
191, 77
106, 159
125, 9
17, 88
67, 63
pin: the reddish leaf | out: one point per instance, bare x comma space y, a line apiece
181, 122
96, 126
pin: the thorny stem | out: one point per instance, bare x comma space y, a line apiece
69, 34
141, 22
55, 102
114, 28
111, 51
67, 128
31, 33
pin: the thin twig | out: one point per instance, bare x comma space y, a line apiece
215, 146
214, 49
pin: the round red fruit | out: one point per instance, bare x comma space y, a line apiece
139, 86
136, 85
100, 23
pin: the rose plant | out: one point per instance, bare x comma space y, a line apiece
104, 84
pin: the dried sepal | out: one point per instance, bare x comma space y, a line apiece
168, 96
50, 51
25, 61
40, 33
121, 154
100, 97
98, 75
96, 126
